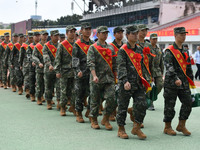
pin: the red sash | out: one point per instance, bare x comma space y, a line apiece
106, 54
182, 62
135, 58
10, 45
32, 46
67, 46
39, 48
84, 47
25, 46
115, 48
52, 49
4, 44
18, 46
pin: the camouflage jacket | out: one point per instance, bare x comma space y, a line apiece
38, 58
146, 73
115, 43
127, 71
15, 56
79, 59
7, 55
48, 58
23, 60
174, 71
2, 51
29, 52
96, 62
63, 61
158, 64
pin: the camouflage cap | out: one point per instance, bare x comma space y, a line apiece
180, 30
153, 36
2, 37
142, 27
15, 34
6, 34
70, 27
118, 29
21, 35
102, 29
62, 35
44, 32
132, 29
30, 33
36, 33
54, 32
85, 25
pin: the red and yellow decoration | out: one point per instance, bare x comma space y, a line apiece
52, 49
4, 44
84, 47
25, 46
10, 45
32, 46
18, 46
115, 48
67, 46
182, 62
39, 48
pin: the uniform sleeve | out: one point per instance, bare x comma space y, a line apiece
46, 57
114, 61
58, 59
6, 54
189, 71
75, 59
121, 66
91, 58
162, 64
21, 56
13, 52
168, 62
35, 56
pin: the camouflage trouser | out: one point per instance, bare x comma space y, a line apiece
4, 74
19, 76
32, 81
49, 82
139, 105
26, 78
159, 83
58, 90
170, 96
39, 84
107, 91
67, 87
12, 76
81, 88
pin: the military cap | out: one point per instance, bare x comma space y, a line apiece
36, 33
30, 33
102, 29
85, 25
21, 35
153, 36
142, 27
70, 27
15, 34
6, 34
44, 32
54, 32
180, 30
62, 35
118, 29
2, 37
132, 29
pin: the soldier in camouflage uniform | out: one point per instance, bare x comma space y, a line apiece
176, 84
4, 69
63, 68
7, 61
15, 63
158, 64
1, 81
32, 74
130, 84
37, 57
82, 72
102, 64
24, 62
49, 54
62, 37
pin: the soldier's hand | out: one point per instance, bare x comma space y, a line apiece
50, 67
58, 75
127, 86
95, 79
80, 74
41, 65
33, 64
12, 66
20, 68
178, 82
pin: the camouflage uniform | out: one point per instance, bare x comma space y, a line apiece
63, 66
106, 84
171, 90
49, 76
79, 63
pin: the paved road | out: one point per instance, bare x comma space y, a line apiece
26, 126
